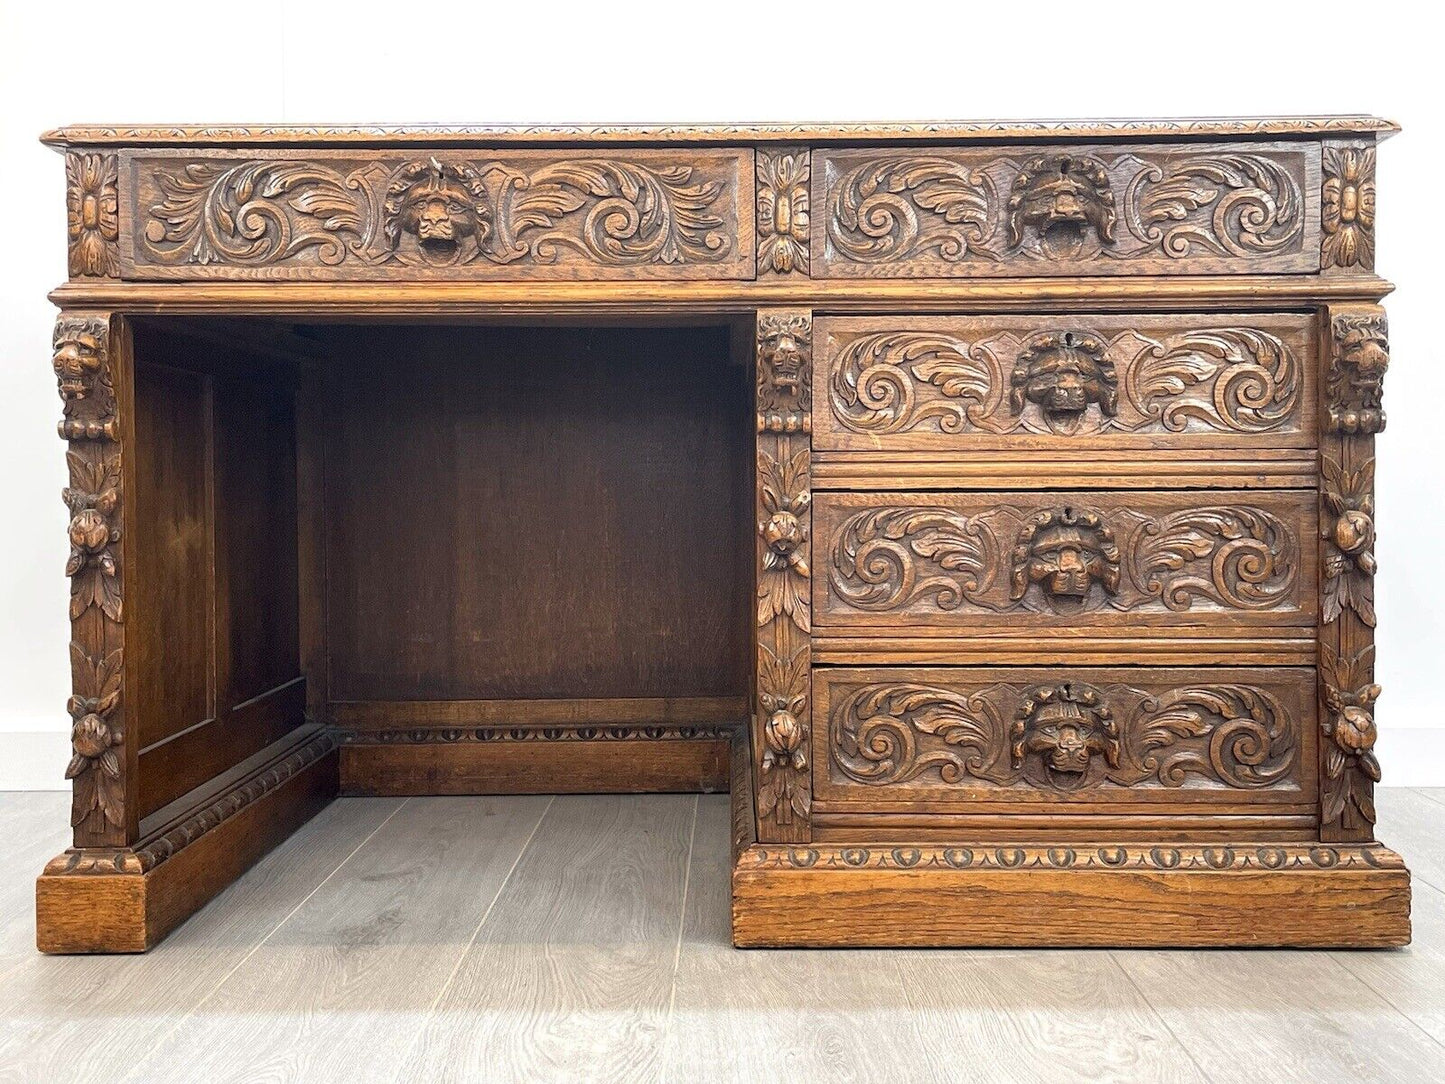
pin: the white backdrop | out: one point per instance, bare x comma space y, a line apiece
358, 61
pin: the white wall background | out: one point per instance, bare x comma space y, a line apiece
358, 61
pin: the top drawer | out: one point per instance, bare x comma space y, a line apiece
1080, 210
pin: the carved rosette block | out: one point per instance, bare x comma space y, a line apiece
1347, 207
92, 206
782, 721
1358, 353
86, 374
784, 174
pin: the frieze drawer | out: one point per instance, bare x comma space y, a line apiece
1064, 383
1066, 560
1018, 734
608, 213
1081, 210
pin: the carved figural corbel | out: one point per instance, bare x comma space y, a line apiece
785, 373
1349, 731
444, 209
783, 696
783, 177
1061, 197
1064, 374
1348, 528
1066, 551
81, 370
95, 764
1359, 357
93, 497
92, 204
1347, 211
786, 498
1058, 729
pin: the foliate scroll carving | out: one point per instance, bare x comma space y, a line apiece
782, 719
1349, 729
1348, 528
92, 205
93, 498
785, 373
1107, 210
1347, 212
95, 767
301, 218
784, 175
1065, 383
81, 350
1359, 357
1062, 559
1066, 735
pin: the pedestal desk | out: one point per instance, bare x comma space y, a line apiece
988, 505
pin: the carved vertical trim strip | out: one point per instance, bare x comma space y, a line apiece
1357, 354
783, 714
93, 385
784, 177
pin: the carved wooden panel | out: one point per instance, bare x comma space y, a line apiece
1065, 382
783, 716
1031, 734
1082, 210
1065, 559
1347, 207
609, 214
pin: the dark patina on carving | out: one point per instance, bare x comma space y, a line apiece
1066, 551
1058, 729
1061, 197
1063, 374
443, 208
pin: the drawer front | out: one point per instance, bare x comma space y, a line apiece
1064, 382
1080, 210
1065, 560
1090, 734
615, 213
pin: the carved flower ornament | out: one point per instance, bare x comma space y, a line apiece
1347, 214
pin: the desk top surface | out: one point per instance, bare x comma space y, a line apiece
924, 131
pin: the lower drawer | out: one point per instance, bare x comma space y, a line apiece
1073, 739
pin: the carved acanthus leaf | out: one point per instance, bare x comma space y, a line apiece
95, 765
783, 178
1349, 730
1348, 527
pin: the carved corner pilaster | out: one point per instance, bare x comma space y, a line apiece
92, 380
1347, 206
92, 214
1357, 354
784, 175
782, 719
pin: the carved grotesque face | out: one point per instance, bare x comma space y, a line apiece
1061, 197
1066, 552
77, 360
785, 356
443, 207
1064, 727
1064, 375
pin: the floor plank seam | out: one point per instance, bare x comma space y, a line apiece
681, 927
401, 1068
1164, 1023
1335, 957
160, 1044
1428, 794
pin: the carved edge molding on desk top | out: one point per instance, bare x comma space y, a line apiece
448, 735
1357, 348
92, 205
84, 362
1066, 736
1065, 383
1221, 858
306, 216
1347, 207
784, 177
782, 720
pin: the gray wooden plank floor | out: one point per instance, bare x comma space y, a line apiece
586, 939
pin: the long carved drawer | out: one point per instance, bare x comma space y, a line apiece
1081, 210
614, 213
1117, 734
1064, 383
1066, 561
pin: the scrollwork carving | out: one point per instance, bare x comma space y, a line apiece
1251, 558
1241, 205
1359, 358
1059, 737
1348, 528
882, 559
783, 178
897, 207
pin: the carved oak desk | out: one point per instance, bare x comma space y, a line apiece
989, 505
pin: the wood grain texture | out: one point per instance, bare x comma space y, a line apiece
545, 978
